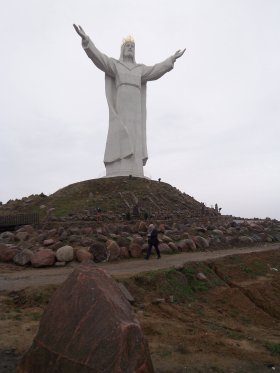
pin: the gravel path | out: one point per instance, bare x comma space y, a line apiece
18, 280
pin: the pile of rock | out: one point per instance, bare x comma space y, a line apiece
64, 243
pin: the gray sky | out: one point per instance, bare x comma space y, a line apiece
213, 122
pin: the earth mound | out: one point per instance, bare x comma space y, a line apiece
116, 196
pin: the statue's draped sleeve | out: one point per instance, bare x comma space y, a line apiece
100, 60
156, 71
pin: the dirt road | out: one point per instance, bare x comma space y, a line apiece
31, 277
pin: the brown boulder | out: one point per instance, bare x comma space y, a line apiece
21, 236
88, 327
83, 254
113, 250
124, 253
29, 229
7, 252
49, 242
86, 230
201, 242
137, 239
161, 228
173, 247
164, 248
43, 258
135, 250
186, 245
142, 227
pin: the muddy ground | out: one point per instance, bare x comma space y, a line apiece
228, 323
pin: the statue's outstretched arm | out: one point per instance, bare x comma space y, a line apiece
159, 69
178, 54
81, 32
100, 60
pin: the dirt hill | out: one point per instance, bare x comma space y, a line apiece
116, 196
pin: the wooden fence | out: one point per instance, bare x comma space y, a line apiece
19, 219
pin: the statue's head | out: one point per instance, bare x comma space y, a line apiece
128, 49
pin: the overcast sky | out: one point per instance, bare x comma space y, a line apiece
213, 123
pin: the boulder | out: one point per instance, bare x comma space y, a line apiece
256, 227
83, 254
86, 231
201, 276
7, 252
21, 236
74, 238
99, 252
63, 235
218, 232
48, 242
28, 228
142, 227
43, 258
57, 245
101, 237
74, 230
86, 241
52, 232
201, 242
135, 250
186, 245
65, 254
245, 239
166, 239
7, 237
23, 257
113, 250
173, 247
137, 239
124, 253
88, 327
165, 249
123, 241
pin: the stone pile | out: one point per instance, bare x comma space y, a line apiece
100, 242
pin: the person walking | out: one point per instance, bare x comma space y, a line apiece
152, 241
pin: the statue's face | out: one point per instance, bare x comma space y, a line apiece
129, 49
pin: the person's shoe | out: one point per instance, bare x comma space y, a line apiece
159, 257
146, 258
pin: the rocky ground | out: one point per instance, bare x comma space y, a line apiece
219, 315
57, 244
203, 307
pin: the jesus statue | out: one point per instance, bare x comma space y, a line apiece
125, 86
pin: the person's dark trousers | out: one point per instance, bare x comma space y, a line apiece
150, 250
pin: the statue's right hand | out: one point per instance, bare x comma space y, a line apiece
80, 32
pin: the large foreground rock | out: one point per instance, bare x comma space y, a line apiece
88, 327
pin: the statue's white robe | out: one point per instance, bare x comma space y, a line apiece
126, 147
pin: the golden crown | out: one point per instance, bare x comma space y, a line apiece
128, 39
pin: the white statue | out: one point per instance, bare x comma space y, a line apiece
125, 84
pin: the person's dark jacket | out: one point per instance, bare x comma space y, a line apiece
153, 239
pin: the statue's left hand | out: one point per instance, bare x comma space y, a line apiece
80, 32
178, 54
